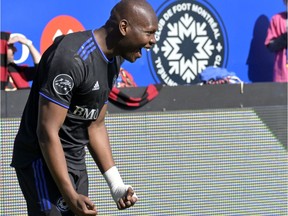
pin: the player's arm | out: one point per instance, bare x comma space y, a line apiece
100, 150
50, 119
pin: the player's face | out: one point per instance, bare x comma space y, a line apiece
140, 35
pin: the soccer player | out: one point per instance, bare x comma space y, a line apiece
65, 112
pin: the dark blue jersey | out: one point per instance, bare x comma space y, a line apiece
75, 74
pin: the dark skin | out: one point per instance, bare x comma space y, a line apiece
130, 28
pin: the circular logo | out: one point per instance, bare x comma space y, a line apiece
62, 206
190, 37
63, 84
60, 25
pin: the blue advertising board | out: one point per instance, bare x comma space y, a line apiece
192, 35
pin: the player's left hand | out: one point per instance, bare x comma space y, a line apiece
128, 200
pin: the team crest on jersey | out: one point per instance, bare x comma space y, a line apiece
190, 37
63, 84
61, 205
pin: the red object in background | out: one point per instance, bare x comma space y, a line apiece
59, 25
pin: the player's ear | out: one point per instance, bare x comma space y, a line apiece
123, 26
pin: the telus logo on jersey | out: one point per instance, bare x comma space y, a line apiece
190, 38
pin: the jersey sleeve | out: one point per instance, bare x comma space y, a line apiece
62, 80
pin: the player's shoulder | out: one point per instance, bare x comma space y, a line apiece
73, 39
65, 47
79, 34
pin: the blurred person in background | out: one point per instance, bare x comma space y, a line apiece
276, 41
125, 79
15, 76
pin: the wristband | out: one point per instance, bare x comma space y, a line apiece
113, 178
28, 43
115, 183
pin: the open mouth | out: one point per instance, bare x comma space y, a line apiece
139, 52
147, 48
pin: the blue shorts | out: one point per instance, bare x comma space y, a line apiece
41, 193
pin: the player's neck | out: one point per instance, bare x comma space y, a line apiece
106, 41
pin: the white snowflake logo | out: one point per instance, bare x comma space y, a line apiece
186, 28
190, 39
